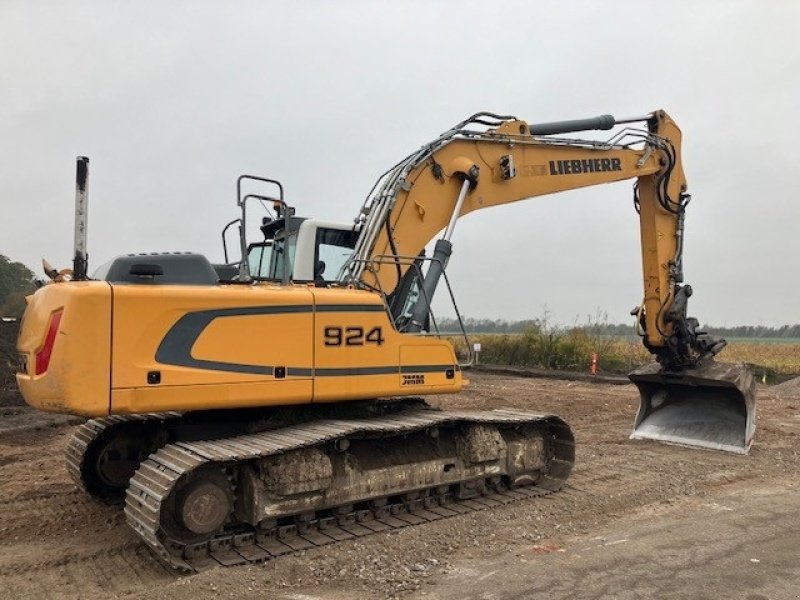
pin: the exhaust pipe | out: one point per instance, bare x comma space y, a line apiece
80, 262
710, 406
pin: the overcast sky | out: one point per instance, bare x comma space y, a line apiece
173, 100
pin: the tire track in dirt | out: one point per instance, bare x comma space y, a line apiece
100, 574
56, 542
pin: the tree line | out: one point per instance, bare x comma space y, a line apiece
16, 282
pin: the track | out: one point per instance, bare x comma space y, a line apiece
79, 451
157, 478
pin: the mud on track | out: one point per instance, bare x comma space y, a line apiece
56, 543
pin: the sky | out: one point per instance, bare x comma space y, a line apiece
173, 100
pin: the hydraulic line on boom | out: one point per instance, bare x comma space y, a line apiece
511, 161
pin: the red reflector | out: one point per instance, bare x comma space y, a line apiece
43, 355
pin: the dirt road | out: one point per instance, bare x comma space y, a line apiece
738, 542
670, 504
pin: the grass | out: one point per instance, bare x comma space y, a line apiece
783, 358
571, 349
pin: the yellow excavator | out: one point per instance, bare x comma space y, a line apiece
269, 404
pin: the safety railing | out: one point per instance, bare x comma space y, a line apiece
413, 262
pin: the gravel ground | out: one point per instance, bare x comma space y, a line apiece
57, 543
788, 389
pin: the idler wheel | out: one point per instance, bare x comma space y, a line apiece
115, 468
205, 503
112, 458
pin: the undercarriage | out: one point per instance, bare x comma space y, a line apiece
199, 495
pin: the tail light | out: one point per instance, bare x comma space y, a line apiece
43, 355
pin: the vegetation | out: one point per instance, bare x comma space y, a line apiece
776, 361
8, 355
16, 282
599, 325
539, 344
542, 345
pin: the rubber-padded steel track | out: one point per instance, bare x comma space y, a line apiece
157, 477
88, 433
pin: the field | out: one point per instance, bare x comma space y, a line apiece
781, 356
774, 359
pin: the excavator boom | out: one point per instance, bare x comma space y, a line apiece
508, 160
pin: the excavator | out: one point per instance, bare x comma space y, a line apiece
258, 407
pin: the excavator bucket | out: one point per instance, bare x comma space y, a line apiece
712, 406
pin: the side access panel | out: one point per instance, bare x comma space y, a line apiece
358, 354
206, 347
427, 366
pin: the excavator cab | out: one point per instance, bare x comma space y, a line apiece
709, 406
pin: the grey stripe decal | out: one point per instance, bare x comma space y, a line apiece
175, 348
211, 365
384, 370
298, 372
350, 308
427, 368
357, 371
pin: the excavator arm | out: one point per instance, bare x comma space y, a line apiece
490, 160
471, 170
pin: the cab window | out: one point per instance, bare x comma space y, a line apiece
259, 258
333, 248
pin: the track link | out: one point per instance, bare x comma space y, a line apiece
157, 477
80, 448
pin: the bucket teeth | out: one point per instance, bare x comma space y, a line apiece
710, 406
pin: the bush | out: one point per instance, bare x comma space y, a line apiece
544, 346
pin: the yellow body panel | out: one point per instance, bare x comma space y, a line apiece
77, 379
202, 397
143, 315
363, 360
180, 347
